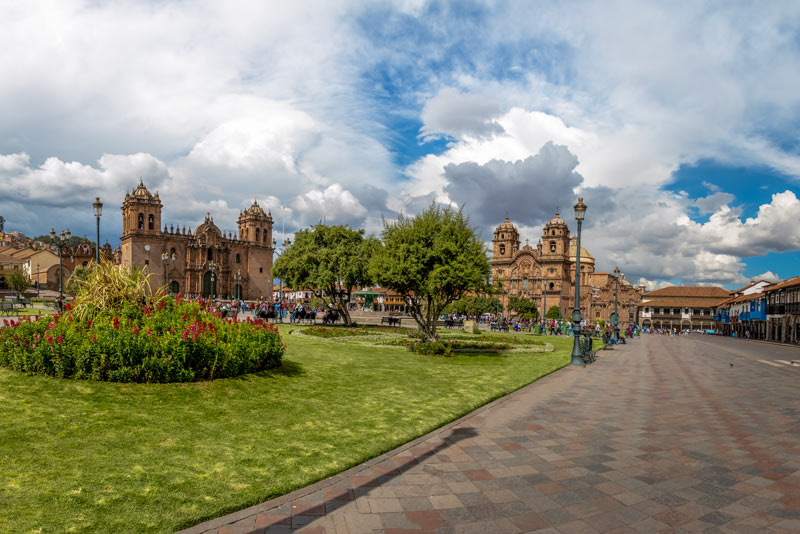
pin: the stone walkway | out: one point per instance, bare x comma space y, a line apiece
686, 434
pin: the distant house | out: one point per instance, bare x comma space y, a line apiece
682, 307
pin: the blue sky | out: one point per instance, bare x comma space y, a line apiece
676, 122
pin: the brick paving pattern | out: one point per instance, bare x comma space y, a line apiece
688, 434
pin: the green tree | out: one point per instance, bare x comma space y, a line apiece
79, 274
432, 260
473, 305
523, 306
553, 313
17, 282
334, 259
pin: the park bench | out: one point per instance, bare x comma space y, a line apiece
499, 327
453, 323
390, 320
6, 308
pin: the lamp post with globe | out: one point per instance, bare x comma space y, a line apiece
577, 353
60, 240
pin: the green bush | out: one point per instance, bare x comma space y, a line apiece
173, 342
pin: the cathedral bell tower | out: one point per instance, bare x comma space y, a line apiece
141, 213
505, 242
255, 226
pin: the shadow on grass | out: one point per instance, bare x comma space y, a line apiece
288, 369
340, 490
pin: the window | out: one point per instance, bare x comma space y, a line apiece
552, 246
552, 285
552, 232
525, 283
265, 236
172, 253
147, 262
238, 258
502, 249
258, 234
150, 222
210, 254
140, 225
261, 269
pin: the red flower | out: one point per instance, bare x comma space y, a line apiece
49, 340
89, 323
60, 339
116, 323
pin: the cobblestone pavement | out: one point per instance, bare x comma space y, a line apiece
688, 434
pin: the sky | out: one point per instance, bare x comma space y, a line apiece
677, 122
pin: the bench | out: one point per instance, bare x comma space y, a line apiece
390, 320
499, 327
6, 308
453, 323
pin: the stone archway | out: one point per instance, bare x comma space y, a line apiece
237, 292
174, 287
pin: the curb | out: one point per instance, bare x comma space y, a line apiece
219, 522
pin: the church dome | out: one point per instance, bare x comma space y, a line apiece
506, 226
255, 210
556, 221
141, 192
585, 256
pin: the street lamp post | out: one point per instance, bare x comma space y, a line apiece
98, 211
38, 281
284, 245
166, 259
61, 238
212, 267
238, 284
616, 304
577, 354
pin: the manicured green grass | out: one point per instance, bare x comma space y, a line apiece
104, 457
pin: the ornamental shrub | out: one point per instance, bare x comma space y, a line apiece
174, 342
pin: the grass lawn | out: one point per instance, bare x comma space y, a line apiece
78, 456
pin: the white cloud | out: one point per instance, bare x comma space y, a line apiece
335, 205
452, 113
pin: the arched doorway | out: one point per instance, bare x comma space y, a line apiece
208, 286
174, 287
237, 292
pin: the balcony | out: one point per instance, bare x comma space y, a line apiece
794, 307
776, 309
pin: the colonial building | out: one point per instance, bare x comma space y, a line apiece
204, 262
682, 307
546, 275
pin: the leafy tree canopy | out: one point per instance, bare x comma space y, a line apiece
432, 260
523, 306
17, 282
334, 259
553, 313
473, 305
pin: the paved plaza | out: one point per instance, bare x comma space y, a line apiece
665, 434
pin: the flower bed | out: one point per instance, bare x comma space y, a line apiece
172, 342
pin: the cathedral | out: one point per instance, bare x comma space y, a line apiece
546, 275
204, 262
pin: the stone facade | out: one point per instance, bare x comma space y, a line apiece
204, 262
546, 275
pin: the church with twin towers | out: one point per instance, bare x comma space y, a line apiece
546, 275
205, 261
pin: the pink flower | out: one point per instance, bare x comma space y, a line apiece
116, 323
60, 339
50, 340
